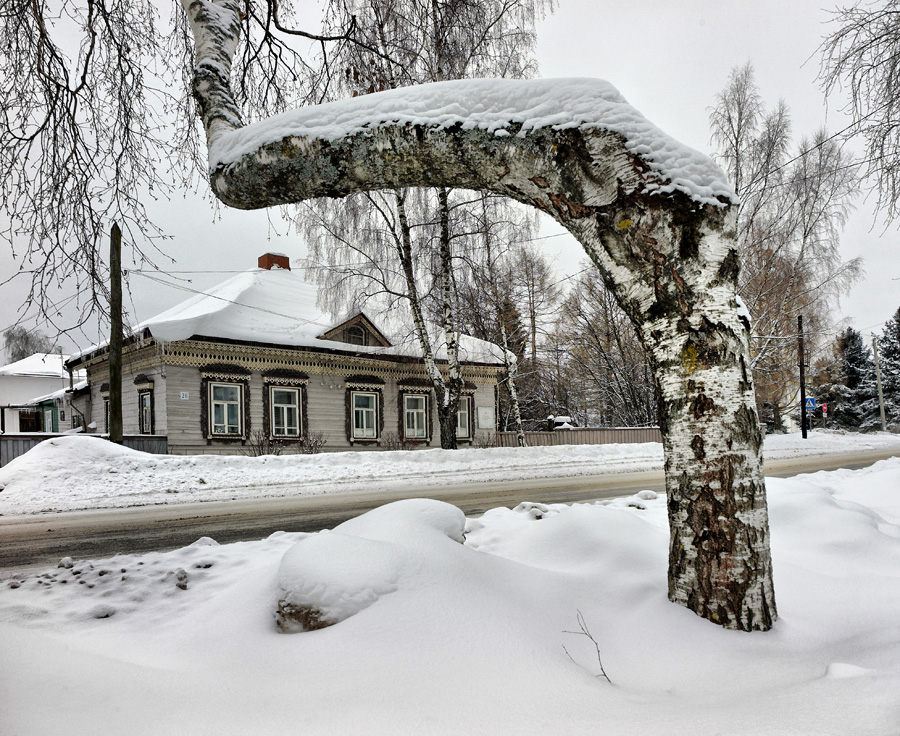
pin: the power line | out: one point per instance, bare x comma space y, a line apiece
231, 301
829, 138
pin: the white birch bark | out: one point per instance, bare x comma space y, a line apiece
671, 263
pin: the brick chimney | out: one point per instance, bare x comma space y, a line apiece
274, 260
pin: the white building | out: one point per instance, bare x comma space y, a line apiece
21, 382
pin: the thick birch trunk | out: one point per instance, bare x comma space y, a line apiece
670, 261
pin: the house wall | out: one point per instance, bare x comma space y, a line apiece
95, 408
177, 371
325, 407
16, 390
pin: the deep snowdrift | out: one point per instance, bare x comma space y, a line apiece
81, 472
468, 638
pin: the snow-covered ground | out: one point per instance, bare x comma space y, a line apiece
444, 634
80, 472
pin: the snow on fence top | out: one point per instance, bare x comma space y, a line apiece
494, 105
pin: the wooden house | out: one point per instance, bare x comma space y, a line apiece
255, 360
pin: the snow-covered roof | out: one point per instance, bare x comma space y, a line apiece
79, 386
278, 307
494, 105
39, 365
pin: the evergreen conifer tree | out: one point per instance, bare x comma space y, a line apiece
851, 394
889, 355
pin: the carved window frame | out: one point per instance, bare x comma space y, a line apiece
145, 423
466, 403
424, 411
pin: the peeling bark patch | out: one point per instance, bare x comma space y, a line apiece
729, 268
539, 181
568, 209
701, 405
687, 220
698, 446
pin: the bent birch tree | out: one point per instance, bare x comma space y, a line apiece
656, 218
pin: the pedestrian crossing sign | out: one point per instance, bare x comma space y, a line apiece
810, 403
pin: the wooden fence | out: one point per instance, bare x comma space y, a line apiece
583, 436
13, 445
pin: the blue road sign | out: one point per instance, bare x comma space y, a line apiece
810, 402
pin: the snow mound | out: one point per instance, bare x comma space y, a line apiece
477, 629
327, 577
843, 671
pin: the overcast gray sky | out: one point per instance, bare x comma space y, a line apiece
668, 58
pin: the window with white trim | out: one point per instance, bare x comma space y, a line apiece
284, 411
145, 412
463, 423
226, 403
415, 412
365, 415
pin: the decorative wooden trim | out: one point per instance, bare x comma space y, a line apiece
469, 398
367, 383
415, 382
429, 411
379, 413
217, 377
286, 377
147, 388
224, 371
270, 382
198, 353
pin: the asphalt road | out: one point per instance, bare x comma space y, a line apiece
30, 542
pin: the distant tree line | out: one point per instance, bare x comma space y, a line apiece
846, 381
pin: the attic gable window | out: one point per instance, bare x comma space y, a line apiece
356, 335
358, 330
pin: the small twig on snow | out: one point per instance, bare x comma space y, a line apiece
586, 632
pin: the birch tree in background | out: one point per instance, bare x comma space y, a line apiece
98, 118
20, 342
794, 203
606, 364
499, 275
862, 57
409, 42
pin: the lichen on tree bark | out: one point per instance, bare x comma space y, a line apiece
669, 260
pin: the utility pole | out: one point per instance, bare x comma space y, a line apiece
115, 334
802, 377
878, 381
